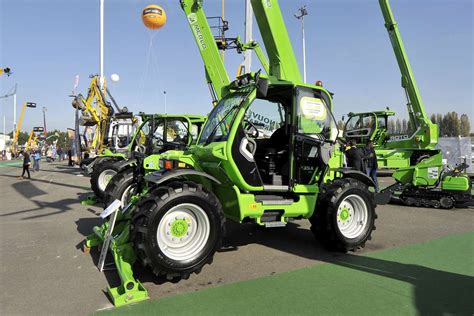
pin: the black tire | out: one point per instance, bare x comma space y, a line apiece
325, 218
101, 168
119, 187
157, 208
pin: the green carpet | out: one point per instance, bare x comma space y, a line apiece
10, 163
432, 278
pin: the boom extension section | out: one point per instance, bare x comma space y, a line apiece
426, 134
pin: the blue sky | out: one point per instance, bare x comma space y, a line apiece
48, 42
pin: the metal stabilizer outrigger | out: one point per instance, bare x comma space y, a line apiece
114, 235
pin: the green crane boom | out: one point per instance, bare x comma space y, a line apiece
277, 43
216, 74
426, 135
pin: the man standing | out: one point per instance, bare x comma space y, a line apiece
69, 154
36, 161
372, 165
354, 156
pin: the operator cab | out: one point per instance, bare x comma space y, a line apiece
279, 136
158, 134
121, 132
284, 155
363, 127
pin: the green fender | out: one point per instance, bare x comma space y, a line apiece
162, 176
356, 175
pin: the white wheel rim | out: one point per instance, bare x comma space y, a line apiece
105, 177
352, 216
183, 232
129, 191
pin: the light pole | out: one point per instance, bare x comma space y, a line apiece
302, 12
101, 79
248, 35
14, 105
164, 92
44, 121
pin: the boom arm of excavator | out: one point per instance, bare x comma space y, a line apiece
426, 135
20, 121
216, 73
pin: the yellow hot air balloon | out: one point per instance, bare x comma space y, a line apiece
153, 16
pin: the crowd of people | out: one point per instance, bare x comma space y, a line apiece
362, 159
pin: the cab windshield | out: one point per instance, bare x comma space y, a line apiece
217, 127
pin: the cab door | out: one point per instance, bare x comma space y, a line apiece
312, 129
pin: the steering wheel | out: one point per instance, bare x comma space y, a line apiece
141, 148
250, 129
159, 140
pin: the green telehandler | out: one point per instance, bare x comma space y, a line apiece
285, 167
158, 133
420, 177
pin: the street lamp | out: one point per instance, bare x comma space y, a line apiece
302, 12
44, 121
164, 92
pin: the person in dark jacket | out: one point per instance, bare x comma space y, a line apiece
69, 155
354, 156
372, 165
26, 165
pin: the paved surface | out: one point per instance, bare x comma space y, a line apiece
42, 269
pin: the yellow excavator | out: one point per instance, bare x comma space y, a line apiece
36, 135
14, 145
103, 117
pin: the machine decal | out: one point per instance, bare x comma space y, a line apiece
433, 172
313, 108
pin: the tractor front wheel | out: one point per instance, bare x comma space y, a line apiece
101, 176
178, 229
345, 216
121, 188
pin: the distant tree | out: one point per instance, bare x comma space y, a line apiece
447, 125
404, 126
59, 136
391, 127
456, 124
398, 126
22, 137
439, 121
409, 128
433, 118
465, 126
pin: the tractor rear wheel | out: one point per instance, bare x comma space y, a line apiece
177, 229
101, 176
121, 188
345, 216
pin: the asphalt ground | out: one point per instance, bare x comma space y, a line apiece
44, 271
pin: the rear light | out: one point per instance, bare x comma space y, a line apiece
168, 165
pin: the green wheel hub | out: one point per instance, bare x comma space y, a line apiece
344, 215
179, 228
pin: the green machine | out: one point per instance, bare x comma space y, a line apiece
267, 154
163, 133
420, 178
